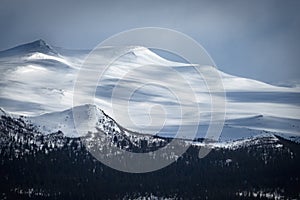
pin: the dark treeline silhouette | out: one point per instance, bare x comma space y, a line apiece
56, 167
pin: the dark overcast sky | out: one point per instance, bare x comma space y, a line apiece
256, 39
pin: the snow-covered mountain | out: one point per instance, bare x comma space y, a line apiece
64, 121
37, 78
35, 46
43, 155
55, 130
88, 118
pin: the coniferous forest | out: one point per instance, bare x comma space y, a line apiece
34, 166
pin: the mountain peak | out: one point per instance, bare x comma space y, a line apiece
86, 117
40, 43
36, 46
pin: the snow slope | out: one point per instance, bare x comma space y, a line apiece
89, 118
37, 78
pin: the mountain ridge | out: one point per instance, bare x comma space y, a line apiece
93, 119
40, 83
142, 53
41, 46
31, 47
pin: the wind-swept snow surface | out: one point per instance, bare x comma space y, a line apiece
37, 79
